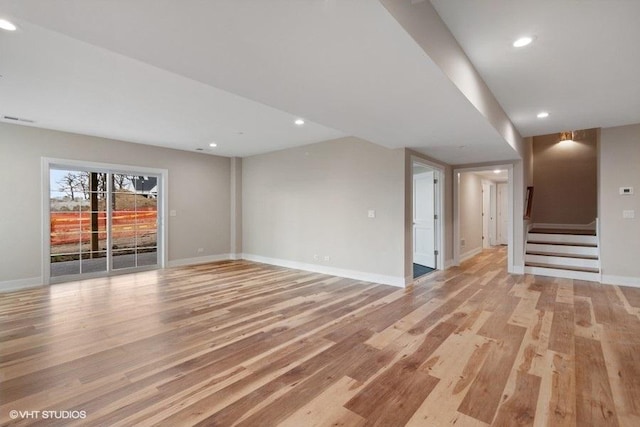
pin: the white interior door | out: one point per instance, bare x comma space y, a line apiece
503, 214
424, 236
493, 209
486, 215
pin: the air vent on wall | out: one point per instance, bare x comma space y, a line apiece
18, 119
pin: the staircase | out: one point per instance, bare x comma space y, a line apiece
569, 253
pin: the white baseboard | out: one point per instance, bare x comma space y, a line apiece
198, 260
608, 279
470, 254
517, 269
235, 257
20, 284
591, 226
397, 281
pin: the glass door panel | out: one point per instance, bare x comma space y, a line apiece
76, 222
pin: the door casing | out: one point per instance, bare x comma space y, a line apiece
48, 163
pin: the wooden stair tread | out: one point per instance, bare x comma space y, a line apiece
541, 242
562, 267
576, 232
556, 254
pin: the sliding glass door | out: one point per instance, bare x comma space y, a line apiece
101, 221
134, 221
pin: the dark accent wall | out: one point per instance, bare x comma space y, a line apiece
565, 179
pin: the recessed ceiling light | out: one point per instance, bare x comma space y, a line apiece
543, 115
497, 171
522, 41
213, 145
6, 25
299, 122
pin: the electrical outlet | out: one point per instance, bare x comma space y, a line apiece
200, 250
316, 257
327, 258
463, 242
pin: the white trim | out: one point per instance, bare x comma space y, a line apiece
517, 269
45, 209
562, 249
470, 254
20, 284
591, 226
398, 281
566, 274
448, 264
571, 239
199, 260
235, 257
633, 282
566, 261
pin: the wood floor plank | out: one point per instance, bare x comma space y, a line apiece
402, 383
520, 408
594, 402
243, 343
485, 393
632, 295
562, 329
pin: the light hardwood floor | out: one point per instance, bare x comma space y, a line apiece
255, 345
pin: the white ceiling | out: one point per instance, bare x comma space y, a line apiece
184, 73
238, 72
583, 67
65, 84
502, 176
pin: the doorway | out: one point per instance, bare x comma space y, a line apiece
425, 219
101, 221
483, 211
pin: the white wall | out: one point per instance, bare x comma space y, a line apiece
470, 191
198, 190
313, 200
619, 238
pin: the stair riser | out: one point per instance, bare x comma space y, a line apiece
561, 249
563, 238
563, 261
552, 272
